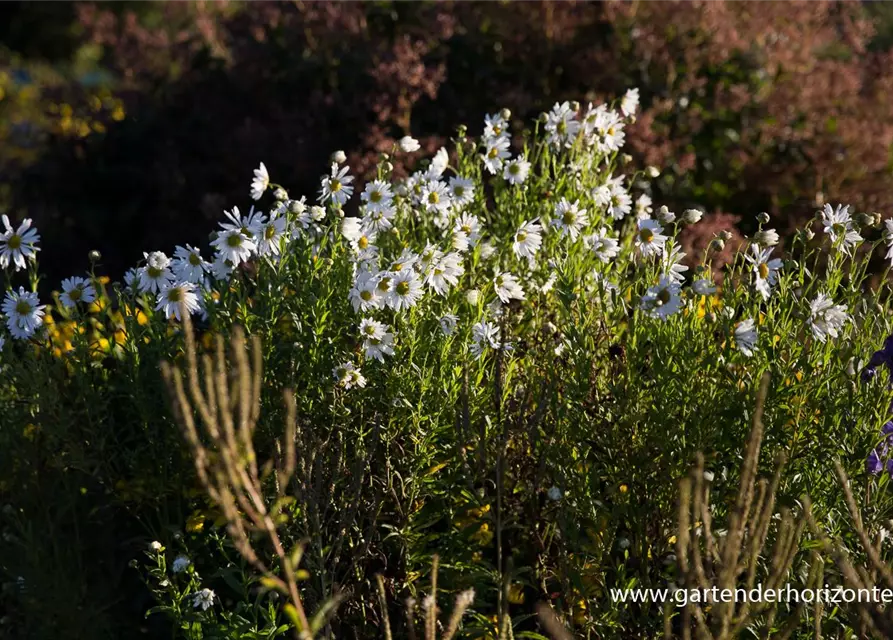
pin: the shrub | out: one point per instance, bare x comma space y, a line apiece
500, 359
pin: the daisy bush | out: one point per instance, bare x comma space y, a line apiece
504, 358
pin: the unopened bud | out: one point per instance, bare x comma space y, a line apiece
665, 215
505, 114
692, 216
575, 106
865, 219
472, 297
339, 156
763, 218
626, 158
652, 172
280, 194
766, 237
94, 256
388, 167
725, 234
717, 244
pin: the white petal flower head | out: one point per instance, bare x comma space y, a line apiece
826, 319
495, 126
349, 376
235, 242
378, 340
704, 287
439, 163
888, 235
24, 313
496, 152
516, 170
554, 494
364, 295
650, 240
448, 324
189, 265
765, 269
405, 290
630, 102
172, 295
435, 197
839, 226
484, 335
672, 262
461, 191
270, 235
507, 287
260, 182
77, 289
180, 564
746, 337
408, 144
156, 273
562, 125
603, 245
570, 218
203, 599
470, 226
643, 206
18, 245
662, 300
527, 240
609, 134
221, 268
445, 273
336, 187
377, 196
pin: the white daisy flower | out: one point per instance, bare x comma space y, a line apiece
188, 264
336, 187
643, 206
766, 237
408, 144
435, 197
260, 182
507, 287
614, 198
235, 242
461, 191
171, 295
703, 287
672, 262
269, 236
603, 245
156, 273
445, 273
826, 318
650, 240
221, 268
24, 313
496, 151
888, 235
662, 300
203, 599
438, 164
746, 337
516, 170
630, 102
77, 289
484, 335
569, 218
180, 564
470, 226
18, 245
131, 277
527, 240
609, 135
364, 295
495, 126
349, 376
765, 269
377, 196
839, 226
562, 125
378, 341
447, 324
405, 290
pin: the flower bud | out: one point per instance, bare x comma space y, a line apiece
652, 172
726, 235
339, 156
408, 144
717, 244
462, 131
766, 237
763, 218
280, 194
505, 114
94, 256
296, 207
388, 167
665, 215
692, 216
473, 297
626, 158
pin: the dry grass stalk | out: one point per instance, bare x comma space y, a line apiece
875, 618
708, 560
226, 400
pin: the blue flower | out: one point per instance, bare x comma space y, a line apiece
874, 464
884, 357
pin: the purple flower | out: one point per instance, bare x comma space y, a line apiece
874, 464
884, 357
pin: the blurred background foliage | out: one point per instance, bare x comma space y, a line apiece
129, 126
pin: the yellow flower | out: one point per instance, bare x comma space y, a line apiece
195, 522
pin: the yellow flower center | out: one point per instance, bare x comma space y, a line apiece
234, 240
363, 242
403, 288
646, 235
521, 236
23, 307
75, 294
569, 217
365, 296
335, 186
14, 241
763, 270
